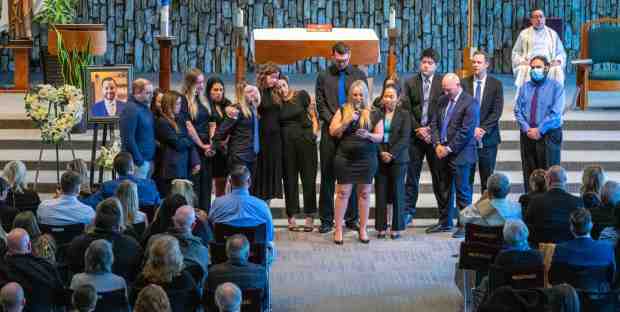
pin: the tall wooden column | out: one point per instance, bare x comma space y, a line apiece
392, 57
21, 74
165, 61
239, 38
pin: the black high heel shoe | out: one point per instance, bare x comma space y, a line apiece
338, 242
363, 241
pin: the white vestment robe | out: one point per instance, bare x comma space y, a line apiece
532, 42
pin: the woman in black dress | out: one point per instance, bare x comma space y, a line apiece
267, 179
237, 137
215, 95
359, 129
299, 146
393, 159
178, 156
198, 115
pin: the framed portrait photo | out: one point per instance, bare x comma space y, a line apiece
106, 91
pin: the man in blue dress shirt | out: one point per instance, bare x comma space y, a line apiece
66, 209
538, 111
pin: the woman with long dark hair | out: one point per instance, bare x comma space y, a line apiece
216, 96
198, 114
299, 147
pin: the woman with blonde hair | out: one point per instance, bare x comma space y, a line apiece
358, 129
135, 220
20, 196
200, 121
164, 267
152, 298
299, 146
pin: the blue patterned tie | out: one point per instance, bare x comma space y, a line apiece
255, 135
342, 90
446, 121
478, 91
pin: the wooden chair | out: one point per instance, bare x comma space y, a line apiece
599, 45
115, 300
547, 249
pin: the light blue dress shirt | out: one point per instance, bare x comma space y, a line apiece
65, 210
550, 106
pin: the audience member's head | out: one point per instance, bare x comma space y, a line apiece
79, 166
70, 183
240, 177
498, 186
538, 181
238, 248
123, 164
108, 215
127, 194
98, 257
4, 189
185, 188
18, 242
556, 177
228, 297
15, 174
592, 180
152, 298
163, 217
27, 221
84, 298
516, 233
184, 218
581, 222
12, 297
164, 260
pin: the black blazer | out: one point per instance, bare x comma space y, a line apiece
490, 109
460, 137
398, 143
547, 216
240, 135
326, 90
175, 150
413, 96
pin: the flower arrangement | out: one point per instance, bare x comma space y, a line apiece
54, 110
107, 155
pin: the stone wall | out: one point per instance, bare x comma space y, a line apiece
203, 28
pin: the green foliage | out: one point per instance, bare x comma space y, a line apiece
72, 62
57, 12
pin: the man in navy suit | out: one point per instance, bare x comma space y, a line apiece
487, 91
580, 256
453, 127
109, 106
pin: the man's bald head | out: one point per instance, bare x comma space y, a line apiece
451, 85
228, 297
18, 242
556, 177
184, 217
12, 297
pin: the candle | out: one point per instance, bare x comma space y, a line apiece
239, 18
392, 18
165, 18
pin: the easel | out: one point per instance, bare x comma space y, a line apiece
108, 132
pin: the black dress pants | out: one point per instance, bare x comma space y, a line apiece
540, 154
417, 152
327, 149
300, 159
390, 187
203, 183
487, 157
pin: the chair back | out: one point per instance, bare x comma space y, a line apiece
491, 235
255, 235
598, 302
517, 278
252, 300
115, 300
477, 256
63, 234
588, 278
182, 300
602, 46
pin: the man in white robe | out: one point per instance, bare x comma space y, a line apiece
538, 39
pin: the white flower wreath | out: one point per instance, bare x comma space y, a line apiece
55, 110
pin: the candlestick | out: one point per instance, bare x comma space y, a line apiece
239, 18
165, 18
392, 18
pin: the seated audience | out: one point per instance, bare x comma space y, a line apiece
239, 208
193, 250
66, 209
610, 200
562, 298
228, 298
584, 253
20, 196
7, 213
164, 267
124, 167
43, 245
127, 251
547, 215
84, 298
592, 181
135, 220
12, 297
40, 280
538, 186
98, 269
152, 298
238, 269
80, 167
496, 208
